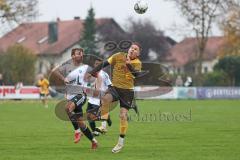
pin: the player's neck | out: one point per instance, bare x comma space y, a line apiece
77, 63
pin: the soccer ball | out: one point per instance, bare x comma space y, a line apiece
141, 6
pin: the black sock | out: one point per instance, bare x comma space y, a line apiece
92, 125
122, 135
75, 125
109, 121
86, 131
73, 119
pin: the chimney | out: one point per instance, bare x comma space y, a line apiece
52, 32
76, 18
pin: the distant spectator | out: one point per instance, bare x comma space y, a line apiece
18, 85
1, 80
43, 84
188, 82
179, 81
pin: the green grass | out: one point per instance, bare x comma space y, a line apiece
28, 131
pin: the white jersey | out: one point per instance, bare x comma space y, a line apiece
76, 77
104, 81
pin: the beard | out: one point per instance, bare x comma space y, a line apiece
79, 59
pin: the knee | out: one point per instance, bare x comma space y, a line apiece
90, 117
66, 108
81, 124
123, 116
104, 100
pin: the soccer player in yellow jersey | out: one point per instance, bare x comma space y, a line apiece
43, 83
126, 66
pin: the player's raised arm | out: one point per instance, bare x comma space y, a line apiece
98, 68
57, 72
136, 71
104, 64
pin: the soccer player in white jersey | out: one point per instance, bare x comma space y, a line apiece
73, 73
101, 83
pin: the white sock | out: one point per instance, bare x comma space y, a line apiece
78, 130
104, 124
121, 141
94, 140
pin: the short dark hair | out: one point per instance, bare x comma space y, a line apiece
76, 49
137, 44
99, 59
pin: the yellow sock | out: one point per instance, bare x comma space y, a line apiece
104, 116
104, 111
123, 127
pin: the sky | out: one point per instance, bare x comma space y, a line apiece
162, 13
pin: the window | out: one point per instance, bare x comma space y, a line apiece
178, 70
21, 39
44, 39
205, 69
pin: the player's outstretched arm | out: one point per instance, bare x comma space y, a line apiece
59, 75
98, 68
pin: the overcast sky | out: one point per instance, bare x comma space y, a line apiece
164, 14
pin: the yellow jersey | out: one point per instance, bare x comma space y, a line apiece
121, 76
43, 84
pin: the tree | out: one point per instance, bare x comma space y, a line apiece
17, 11
231, 28
112, 32
18, 65
88, 41
216, 78
230, 65
200, 15
144, 32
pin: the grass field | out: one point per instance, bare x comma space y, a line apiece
166, 130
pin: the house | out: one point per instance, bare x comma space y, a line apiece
52, 41
182, 56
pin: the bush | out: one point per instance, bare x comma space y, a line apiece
18, 65
216, 78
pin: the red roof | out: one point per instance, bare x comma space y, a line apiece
69, 33
186, 50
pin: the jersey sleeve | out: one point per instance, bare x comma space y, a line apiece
39, 83
89, 68
46, 82
111, 60
107, 80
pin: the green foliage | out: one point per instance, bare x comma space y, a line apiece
216, 78
88, 41
230, 65
18, 65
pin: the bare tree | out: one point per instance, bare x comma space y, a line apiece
17, 11
200, 15
145, 32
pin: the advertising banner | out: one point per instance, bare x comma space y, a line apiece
218, 92
24, 92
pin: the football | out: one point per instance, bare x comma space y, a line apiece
140, 6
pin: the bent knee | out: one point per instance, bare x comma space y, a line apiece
105, 100
123, 116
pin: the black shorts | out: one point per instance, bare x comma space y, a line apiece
125, 96
92, 108
43, 95
79, 100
